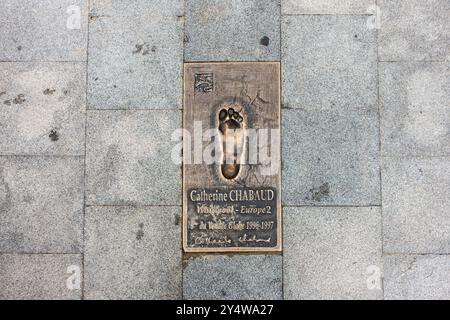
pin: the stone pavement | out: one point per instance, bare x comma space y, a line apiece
91, 91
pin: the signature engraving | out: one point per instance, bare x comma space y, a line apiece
208, 240
246, 239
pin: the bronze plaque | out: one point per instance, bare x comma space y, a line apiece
231, 157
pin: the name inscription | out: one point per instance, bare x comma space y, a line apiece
222, 217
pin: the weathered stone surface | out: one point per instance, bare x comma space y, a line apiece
40, 276
331, 145
327, 6
135, 55
423, 277
133, 253
129, 158
332, 253
329, 62
42, 108
414, 104
414, 30
102, 8
239, 30
330, 158
41, 204
253, 277
43, 30
415, 205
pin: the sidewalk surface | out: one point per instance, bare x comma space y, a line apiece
90, 201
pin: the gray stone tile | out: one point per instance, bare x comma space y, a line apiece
414, 30
327, 6
414, 104
102, 8
239, 30
330, 158
417, 277
332, 253
135, 55
252, 277
133, 253
41, 201
42, 108
40, 276
329, 62
415, 205
128, 158
43, 30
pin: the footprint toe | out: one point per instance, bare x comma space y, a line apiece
223, 115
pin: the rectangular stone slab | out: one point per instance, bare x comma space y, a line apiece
233, 207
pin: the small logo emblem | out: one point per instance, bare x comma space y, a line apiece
204, 82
